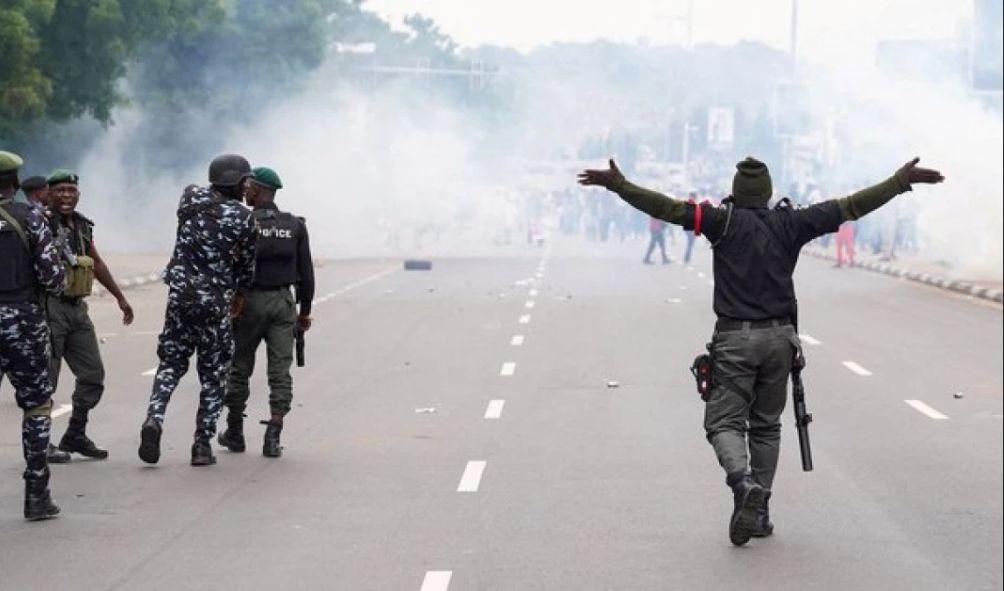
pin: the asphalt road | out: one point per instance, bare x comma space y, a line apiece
458, 429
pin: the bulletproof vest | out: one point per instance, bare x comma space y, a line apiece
275, 249
17, 272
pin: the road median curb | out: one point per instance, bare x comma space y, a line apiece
958, 286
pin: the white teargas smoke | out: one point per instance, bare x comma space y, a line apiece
402, 170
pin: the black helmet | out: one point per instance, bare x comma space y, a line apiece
228, 170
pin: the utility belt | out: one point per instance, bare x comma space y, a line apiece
730, 324
270, 287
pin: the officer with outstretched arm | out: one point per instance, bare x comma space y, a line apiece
752, 350
270, 312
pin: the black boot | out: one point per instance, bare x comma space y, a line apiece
75, 439
764, 527
54, 455
233, 437
202, 453
748, 498
271, 448
38, 503
149, 441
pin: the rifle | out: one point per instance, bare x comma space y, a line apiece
802, 416
300, 346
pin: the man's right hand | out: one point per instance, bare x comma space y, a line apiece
911, 174
609, 178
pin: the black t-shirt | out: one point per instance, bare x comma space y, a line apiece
755, 252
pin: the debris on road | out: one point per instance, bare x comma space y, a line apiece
613, 384
417, 265
425, 411
958, 395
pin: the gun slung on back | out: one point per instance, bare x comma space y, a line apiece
63, 245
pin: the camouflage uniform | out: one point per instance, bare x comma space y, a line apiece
214, 256
24, 334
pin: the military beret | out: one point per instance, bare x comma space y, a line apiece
61, 175
33, 183
264, 175
10, 162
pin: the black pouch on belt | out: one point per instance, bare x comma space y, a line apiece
702, 372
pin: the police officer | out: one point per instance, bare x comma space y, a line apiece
210, 270
270, 314
30, 264
73, 335
36, 191
755, 251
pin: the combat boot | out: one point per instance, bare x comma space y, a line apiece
54, 455
764, 528
271, 448
78, 442
149, 441
233, 437
38, 503
202, 453
748, 498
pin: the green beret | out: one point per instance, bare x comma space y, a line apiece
10, 162
61, 175
264, 175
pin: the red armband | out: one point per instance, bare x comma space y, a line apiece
698, 214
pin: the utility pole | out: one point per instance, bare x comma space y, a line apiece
794, 38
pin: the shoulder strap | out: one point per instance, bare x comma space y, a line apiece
728, 222
14, 223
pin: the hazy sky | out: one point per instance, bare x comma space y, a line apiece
837, 32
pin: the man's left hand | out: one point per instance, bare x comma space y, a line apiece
304, 321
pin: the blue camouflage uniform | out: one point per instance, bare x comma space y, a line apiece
214, 257
30, 265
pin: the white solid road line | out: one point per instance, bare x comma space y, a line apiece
530, 304
857, 368
517, 340
471, 479
927, 410
354, 285
149, 372
524, 319
436, 580
808, 339
62, 410
508, 369
494, 410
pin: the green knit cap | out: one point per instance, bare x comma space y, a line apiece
264, 175
61, 175
751, 187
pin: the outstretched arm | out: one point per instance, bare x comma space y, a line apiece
868, 200
651, 202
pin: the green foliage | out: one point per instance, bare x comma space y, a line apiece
24, 88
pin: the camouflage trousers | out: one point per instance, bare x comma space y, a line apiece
24, 358
210, 338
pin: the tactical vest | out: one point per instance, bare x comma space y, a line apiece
17, 272
276, 248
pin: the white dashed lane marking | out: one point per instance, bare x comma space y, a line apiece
857, 368
810, 340
533, 293
530, 304
436, 580
524, 319
354, 285
517, 340
494, 410
471, 479
508, 369
927, 410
